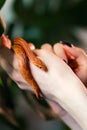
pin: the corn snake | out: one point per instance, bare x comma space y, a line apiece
24, 55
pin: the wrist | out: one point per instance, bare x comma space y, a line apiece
74, 101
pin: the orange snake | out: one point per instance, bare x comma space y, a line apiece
24, 54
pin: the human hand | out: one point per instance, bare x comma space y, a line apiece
10, 65
9, 62
63, 115
52, 62
77, 60
75, 57
63, 83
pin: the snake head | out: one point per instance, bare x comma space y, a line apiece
40, 64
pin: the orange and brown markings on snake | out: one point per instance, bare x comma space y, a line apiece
24, 55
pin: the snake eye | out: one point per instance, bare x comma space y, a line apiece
44, 68
41, 67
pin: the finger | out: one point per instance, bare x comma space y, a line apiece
49, 58
75, 52
53, 63
47, 46
31, 46
39, 75
59, 51
5, 41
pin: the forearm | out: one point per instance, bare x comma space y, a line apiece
65, 87
67, 119
76, 105
64, 116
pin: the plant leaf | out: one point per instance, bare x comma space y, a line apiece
2, 25
2, 3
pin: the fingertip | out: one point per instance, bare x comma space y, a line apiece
31, 46
57, 46
46, 56
5, 41
59, 51
47, 46
70, 52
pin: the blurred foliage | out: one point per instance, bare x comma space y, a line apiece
1, 28
49, 20
2, 25
37, 21
2, 3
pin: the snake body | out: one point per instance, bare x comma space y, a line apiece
24, 55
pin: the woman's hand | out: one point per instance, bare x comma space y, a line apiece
61, 85
75, 57
77, 60
9, 62
57, 71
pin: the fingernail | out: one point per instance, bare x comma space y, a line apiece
66, 43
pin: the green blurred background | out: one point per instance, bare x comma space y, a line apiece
38, 21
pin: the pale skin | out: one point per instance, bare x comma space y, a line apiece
56, 78
54, 88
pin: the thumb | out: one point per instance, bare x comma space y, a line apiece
76, 56
72, 52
